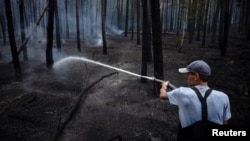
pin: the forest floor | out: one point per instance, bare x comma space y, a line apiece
80, 101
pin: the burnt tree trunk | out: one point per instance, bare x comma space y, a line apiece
78, 27
145, 39
205, 25
226, 28
21, 11
50, 28
214, 22
58, 36
157, 43
67, 21
138, 23
200, 18
126, 20
16, 63
132, 19
248, 20
104, 6
2, 22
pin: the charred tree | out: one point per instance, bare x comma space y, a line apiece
2, 22
67, 20
57, 24
16, 63
78, 27
222, 15
119, 13
200, 18
58, 36
205, 25
171, 16
214, 22
145, 39
226, 28
50, 28
248, 20
132, 19
104, 7
192, 18
21, 11
126, 20
157, 43
138, 22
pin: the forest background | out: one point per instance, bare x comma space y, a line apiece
43, 98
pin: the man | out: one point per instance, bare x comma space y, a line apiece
187, 100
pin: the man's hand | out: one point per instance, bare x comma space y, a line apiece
163, 90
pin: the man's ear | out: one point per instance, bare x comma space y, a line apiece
197, 76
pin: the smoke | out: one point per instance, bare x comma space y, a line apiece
113, 30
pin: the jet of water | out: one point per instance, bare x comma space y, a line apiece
64, 60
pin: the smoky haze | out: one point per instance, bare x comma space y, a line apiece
89, 20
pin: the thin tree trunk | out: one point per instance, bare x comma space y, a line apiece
50, 28
58, 36
214, 22
78, 27
145, 39
138, 23
200, 18
2, 22
157, 43
205, 25
126, 20
21, 11
226, 25
132, 19
241, 15
166, 17
248, 20
67, 21
171, 20
16, 63
222, 15
104, 6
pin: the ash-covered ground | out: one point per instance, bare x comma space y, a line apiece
81, 101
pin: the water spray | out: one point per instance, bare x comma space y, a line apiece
111, 67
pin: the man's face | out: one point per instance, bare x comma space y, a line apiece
191, 78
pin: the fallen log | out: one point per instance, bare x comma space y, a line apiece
31, 32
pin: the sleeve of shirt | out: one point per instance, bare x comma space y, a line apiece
174, 96
227, 114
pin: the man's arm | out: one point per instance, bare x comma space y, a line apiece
163, 91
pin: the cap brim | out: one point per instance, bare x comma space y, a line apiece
183, 70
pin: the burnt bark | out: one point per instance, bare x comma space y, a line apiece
58, 36
16, 63
50, 28
205, 25
145, 39
126, 20
104, 7
226, 28
78, 27
157, 43
214, 22
67, 21
138, 22
21, 11
2, 22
